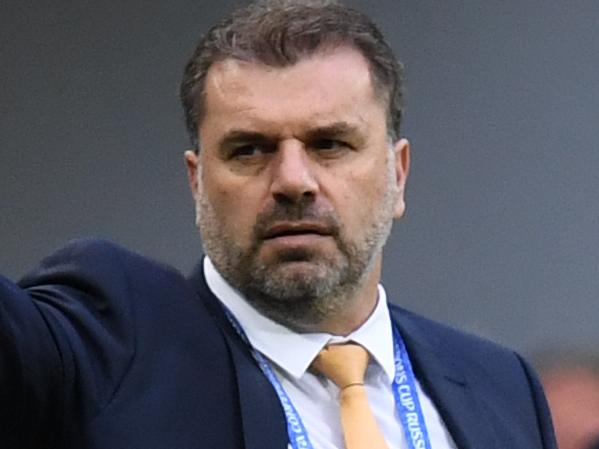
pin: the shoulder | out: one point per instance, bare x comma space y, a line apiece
495, 375
95, 282
97, 261
98, 252
439, 335
486, 365
473, 357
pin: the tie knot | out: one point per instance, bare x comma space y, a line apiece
343, 364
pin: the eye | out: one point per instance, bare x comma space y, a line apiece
248, 151
330, 145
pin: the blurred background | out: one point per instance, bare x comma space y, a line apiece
501, 237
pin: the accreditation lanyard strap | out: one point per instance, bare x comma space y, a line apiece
406, 397
404, 392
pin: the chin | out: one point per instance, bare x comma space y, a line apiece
299, 270
303, 278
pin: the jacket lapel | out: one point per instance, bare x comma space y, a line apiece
445, 381
263, 420
262, 417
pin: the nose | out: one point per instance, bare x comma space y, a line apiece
293, 176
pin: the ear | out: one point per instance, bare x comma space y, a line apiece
192, 162
402, 168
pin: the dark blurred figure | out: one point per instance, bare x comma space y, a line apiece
571, 382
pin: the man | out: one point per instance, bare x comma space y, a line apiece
298, 170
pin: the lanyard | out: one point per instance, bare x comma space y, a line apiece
403, 386
406, 397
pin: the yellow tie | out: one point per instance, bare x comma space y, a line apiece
345, 365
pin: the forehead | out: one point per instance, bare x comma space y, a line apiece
331, 85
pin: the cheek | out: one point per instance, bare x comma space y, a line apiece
234, 205
361, 194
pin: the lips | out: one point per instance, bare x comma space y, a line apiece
296, 228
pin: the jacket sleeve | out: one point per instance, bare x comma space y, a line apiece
31, 374
65, 344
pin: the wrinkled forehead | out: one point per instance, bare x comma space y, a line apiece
334, 85
343, 65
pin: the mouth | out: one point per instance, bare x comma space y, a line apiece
293, 229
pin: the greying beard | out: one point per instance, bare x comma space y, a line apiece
300, 299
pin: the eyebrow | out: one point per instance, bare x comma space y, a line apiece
240, 135
336, 129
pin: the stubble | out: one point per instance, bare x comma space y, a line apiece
302, 287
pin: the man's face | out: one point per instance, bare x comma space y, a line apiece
296, 183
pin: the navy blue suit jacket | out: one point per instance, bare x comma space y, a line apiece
101, 348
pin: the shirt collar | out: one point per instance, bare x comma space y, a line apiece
274, 340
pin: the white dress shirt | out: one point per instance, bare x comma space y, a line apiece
314, 397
